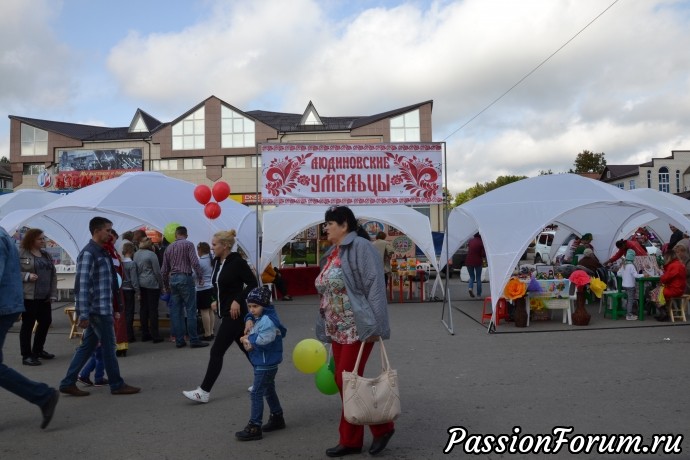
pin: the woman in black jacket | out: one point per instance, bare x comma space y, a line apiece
232, 280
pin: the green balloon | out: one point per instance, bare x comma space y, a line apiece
169, 231
325, 381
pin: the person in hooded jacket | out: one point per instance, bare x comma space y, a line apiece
264, 343
232, 280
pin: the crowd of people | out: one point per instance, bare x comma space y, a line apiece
352, 311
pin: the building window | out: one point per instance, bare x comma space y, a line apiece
164, 165
664, 185
649, 179
621, 185
34, 141
256, 161
190, 133
608, 174
405, 128
32, 169
235, 162
632, 184
236, 130
677, 181
193, 163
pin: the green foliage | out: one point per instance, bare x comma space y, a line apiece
589, 162
545, 173
480, 189
4, 161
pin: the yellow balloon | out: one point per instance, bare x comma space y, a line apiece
309, 355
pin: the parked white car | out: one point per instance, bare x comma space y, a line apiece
543, 244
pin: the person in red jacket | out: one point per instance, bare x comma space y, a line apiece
474, 262
623, 246
673, 281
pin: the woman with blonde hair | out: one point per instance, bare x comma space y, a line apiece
40, 288
232, 280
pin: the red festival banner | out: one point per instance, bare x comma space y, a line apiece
355, 174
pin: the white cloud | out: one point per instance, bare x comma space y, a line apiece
620, 87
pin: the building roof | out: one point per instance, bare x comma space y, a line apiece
280, 121
619, 172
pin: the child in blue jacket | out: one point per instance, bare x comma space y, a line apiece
265, 346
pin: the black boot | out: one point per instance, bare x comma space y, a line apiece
275, 422
250, 433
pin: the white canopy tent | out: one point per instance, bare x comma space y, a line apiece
281, 224
25, 199
660, 200
133, 200
510, 217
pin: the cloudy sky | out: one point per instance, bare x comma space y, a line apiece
620, 86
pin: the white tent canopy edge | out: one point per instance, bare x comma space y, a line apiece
282, 223
133, 200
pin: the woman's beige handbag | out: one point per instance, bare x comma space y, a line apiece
371, 401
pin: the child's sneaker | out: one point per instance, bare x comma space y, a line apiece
197, 395
631, 317
101, 383
275, 422
85, 381
250, 433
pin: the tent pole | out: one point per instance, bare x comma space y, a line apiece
259, 230
446, 290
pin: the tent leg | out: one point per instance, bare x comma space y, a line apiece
446, 300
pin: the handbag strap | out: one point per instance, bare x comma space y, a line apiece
385, 364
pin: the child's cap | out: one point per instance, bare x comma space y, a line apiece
629, 255
259, 296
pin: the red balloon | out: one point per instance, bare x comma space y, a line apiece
202, 193
221, 190
212, 210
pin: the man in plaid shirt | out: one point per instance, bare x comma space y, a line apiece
94, 287
180, 263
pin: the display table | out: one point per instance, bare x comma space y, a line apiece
300, 280
413, 281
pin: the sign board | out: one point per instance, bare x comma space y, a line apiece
352, 174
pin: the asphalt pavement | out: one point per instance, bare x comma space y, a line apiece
611, 378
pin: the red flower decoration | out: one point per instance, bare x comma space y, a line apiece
281, 175
419, 175
580, 278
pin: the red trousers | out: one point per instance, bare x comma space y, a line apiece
345, 356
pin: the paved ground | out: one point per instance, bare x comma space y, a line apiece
612, 377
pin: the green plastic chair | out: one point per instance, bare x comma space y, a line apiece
611, 299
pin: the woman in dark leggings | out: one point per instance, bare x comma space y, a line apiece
232, 280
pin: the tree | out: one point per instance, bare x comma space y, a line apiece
589, 162
4, 161
480, 189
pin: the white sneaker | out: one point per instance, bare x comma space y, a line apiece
630, 317
250, 389
197, 395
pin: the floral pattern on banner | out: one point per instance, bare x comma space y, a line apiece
349, 147
282, 174
419, 175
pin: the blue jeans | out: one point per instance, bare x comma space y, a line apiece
183, 297
14, 382
101, 330
264, 385
95, 362
475, 275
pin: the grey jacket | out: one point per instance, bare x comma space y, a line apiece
365, 284
149, 269
27, 262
